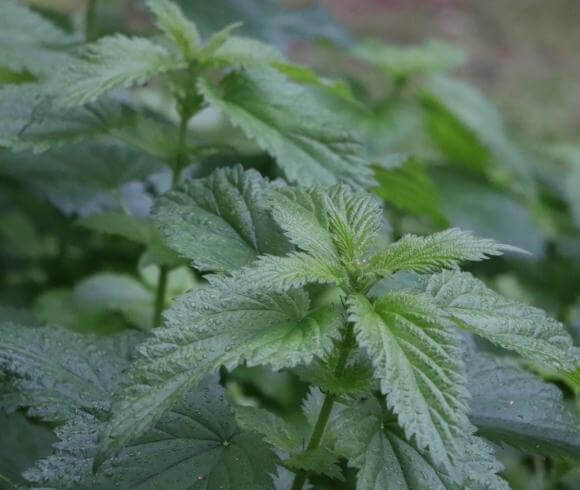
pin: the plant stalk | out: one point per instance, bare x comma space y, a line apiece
91, 21
160, 295
326, 409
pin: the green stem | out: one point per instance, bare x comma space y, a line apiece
181, 155
160, 295
326, 409
91, 21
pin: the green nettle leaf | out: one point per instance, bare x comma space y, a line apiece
196, 445
30, 42
209, 328
289, 122
112, 62
513, 406
56, 372
176, 26
336, 230
417, 357
220, 222
372, 442
441, 250
507, 323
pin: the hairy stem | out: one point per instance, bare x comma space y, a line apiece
160, 295
326, 409
91, 21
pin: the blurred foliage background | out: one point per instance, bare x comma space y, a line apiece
410, 77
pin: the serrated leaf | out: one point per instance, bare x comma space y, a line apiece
513, 406
417, 357
507, 323
30, 42
220, 222
170, 19
190, 447
442, 250
291, 124
54, 385
209, 328
319, 460
336, 227
112, 62
386, 460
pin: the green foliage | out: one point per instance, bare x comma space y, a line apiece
512, 406
212, 325
220, 222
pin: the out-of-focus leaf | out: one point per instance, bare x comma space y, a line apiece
403, 61
471, 205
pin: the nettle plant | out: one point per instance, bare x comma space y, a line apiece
298, 277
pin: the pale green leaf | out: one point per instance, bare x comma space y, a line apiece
244, 52
513, 406
442, 250
57, 372
216, 40
116, 292
170, 19
293, 270
417, 357
291, 124
507, 323
196, 445
112, 62
30, 42
28, 122
209, 328
386, 460
404, 61
220, 222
